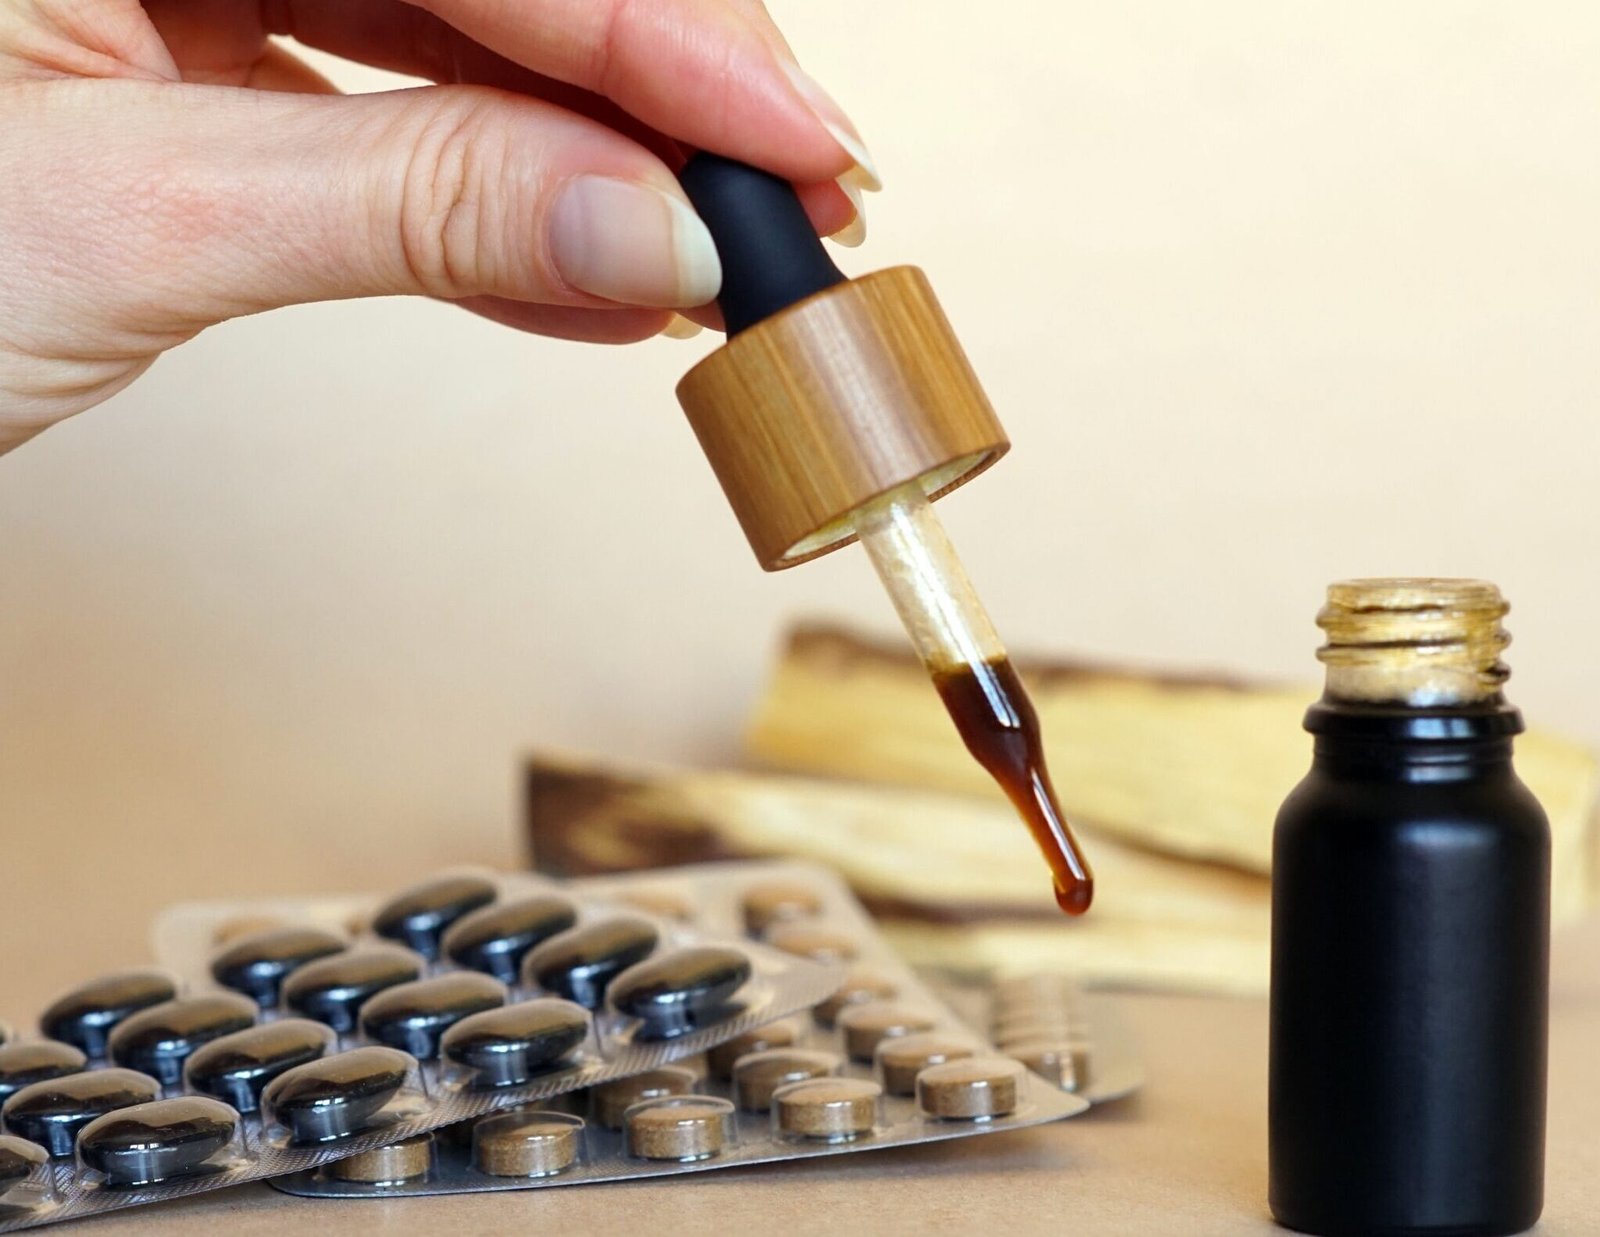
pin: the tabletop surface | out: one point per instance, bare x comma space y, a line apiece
1188, 1155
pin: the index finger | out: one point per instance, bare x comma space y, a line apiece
715, 74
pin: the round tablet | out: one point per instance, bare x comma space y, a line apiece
494, 939
1017, 996
1034, 988
610, 1100
720, 1060
240, 926
338, 1095
1060, 1062
256, 964
529, 1143
858, 986
414, 1016
866, 1024
20, 1161
405, 1160
51, 1113
157, 1141
1034, 1024
580, 963
238, 1067
417, 917
679, 1127
84, 1017
829, 1109
681, 991
1031, 1032
757, 1076
818, 944
332, 990
970, 1089
506, 1047
662, 903
158, 1040
775, 901
22, 1065
901, 1058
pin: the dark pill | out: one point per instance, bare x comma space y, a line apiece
51, 1113
238, 1067
580, 962
157, 1141
19, 1160
338, 1095
419, 916
159, 1040
22, 1065
681, 991
506, 1047
413, 1016
256, 965
332, 990
84, 1017
493, 939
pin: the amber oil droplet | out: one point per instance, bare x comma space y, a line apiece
998, 724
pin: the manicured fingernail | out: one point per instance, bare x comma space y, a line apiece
632, 243
680, 328
854, 232
838, 125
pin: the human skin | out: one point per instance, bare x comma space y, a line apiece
168, 165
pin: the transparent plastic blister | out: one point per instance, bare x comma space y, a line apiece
288, 1035
822, 1082
26, 1182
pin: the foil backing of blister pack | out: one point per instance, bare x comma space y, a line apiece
410, 1097
704, 1119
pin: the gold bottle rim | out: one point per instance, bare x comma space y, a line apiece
1414, 641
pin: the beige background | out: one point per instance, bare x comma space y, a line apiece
1268, 293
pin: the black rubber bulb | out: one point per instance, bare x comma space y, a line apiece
771, 254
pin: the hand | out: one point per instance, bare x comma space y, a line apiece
167, 166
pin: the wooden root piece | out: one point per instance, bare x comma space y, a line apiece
1186, 765
955, 881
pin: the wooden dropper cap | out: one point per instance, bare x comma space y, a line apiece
830, 391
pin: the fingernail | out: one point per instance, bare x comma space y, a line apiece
631, 243
854, 232
680, 328
838, 125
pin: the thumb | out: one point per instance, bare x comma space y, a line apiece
204, 203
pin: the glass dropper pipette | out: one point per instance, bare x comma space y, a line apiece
958, 645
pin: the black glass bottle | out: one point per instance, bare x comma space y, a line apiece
1410, 932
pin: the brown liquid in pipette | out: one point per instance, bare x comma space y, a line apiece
997, 722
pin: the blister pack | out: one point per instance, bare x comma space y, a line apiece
285, 1035
880, 1063
1073, 1038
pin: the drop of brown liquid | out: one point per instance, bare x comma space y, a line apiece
997, 722
1075, 900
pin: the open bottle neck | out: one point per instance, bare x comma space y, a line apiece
1414, 643
1414, 679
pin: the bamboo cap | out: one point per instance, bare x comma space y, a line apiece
813, 411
